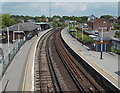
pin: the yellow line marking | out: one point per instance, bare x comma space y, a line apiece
91, 60
24, 80
28, 87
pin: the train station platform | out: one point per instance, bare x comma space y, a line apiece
19, 76
108, 67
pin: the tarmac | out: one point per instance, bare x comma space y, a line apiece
109, 66
21, 69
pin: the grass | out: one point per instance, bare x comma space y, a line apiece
86, 38
115, 50
1, 36
73, 27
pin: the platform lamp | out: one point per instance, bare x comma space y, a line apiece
102, 28
82, 34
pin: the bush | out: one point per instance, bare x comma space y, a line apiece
117, 34
117, 26
115, 50
86, 38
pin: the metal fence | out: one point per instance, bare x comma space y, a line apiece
9, 57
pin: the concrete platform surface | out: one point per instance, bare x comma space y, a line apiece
19, 71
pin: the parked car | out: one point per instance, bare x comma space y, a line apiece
96, 33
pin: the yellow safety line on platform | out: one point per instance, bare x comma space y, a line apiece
24, 80
28, 88
91, 61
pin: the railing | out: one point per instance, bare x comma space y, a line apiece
4, 63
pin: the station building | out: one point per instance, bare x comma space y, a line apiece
23, 30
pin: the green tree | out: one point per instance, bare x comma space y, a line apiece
7, 20
106, 16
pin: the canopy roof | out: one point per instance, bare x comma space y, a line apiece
22, 27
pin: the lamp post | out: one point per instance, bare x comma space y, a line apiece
101, 45
82, 33
102, 28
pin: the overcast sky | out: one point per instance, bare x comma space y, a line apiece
60, 8
60, 0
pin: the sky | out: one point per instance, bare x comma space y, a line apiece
60, 8
60, 0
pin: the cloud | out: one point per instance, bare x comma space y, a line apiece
57, 8
60, 0
83, 7
71, 6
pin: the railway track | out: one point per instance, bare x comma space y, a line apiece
73, 77
82, 79
45, 78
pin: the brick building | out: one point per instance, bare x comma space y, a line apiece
97, 24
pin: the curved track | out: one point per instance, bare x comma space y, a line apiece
44, 73
51, 56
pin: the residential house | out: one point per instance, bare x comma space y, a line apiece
91, 17
113, 20
98, 24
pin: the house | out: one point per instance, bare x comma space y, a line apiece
68, 22
98, 24
57, 19
91, 17
83, 26
20, 31
113, 20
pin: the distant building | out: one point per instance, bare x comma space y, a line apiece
46, 20
69, 21
83, 26
57, 19
20, 31
113, 20
30, 21
97, 24
43, 25
91, 17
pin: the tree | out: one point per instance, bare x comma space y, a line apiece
106, 16
7, 20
